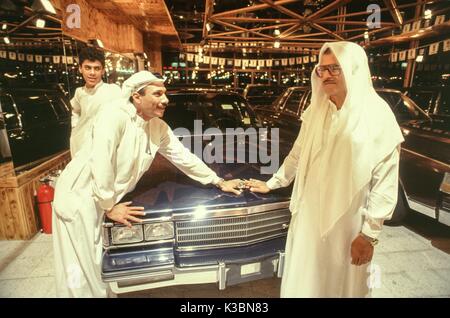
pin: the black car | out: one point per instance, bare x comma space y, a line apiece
435, 101
262, 95
37, 122
193, 233
425, 156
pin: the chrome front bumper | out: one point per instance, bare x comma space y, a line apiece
222, 273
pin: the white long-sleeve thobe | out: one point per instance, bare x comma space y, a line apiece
319, 266
100, 174
85, 105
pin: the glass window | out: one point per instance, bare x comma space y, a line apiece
423, 99
226, 111
59, 105
34, 107
9, 113
443, 107
181, 111
404, 108
293, 101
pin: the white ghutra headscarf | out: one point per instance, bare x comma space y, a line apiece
366, 133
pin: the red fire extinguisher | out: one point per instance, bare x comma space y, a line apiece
45, 194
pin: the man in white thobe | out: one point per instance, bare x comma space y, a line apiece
125, 139
88, 98
345, 164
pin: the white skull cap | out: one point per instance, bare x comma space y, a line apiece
138, 81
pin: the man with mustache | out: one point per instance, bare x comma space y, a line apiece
345, 164
88, 98
125, 139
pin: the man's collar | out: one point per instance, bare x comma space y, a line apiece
93, 89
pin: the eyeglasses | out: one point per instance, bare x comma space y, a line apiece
333, 69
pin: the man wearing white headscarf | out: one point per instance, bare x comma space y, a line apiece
345, 164
124, 142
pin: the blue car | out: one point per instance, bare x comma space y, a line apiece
195, 234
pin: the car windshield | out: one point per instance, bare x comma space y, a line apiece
423, 99
444, 104
214, 109
279, 102
403, 107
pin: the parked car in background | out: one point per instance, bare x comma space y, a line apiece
262, 95
425, 156
194, 234
435, 101
37, 122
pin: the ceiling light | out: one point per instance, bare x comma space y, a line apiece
43, 6
427, 14
145, 55
276, 44
4, 26
6, 40
40, 23
419, 58
276, 32
366, 35
208, 26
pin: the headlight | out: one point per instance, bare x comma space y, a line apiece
126, 235
158, 231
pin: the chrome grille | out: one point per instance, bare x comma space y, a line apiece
233, 230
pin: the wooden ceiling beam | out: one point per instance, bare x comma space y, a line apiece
347, 15
371, 32
251, 8
236, 27
208, 10
256, 20
254, 29
329, 8
277, 6
291, 30
336, 22
323, 29
395, 12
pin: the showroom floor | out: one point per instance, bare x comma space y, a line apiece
414, 260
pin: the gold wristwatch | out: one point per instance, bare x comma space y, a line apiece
371, 240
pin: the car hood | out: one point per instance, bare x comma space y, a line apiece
166, 189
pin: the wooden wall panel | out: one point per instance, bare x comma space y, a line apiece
19, 219
123, 38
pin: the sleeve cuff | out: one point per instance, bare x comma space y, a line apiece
273, 184
216, 180
372, 228
107, 204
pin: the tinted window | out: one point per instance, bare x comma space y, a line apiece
181, 111
293, 101
226, 111
404, 109
59, 105
423, 99
444, 103
35, 108
9, 113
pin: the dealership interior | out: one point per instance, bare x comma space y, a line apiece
230, 64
